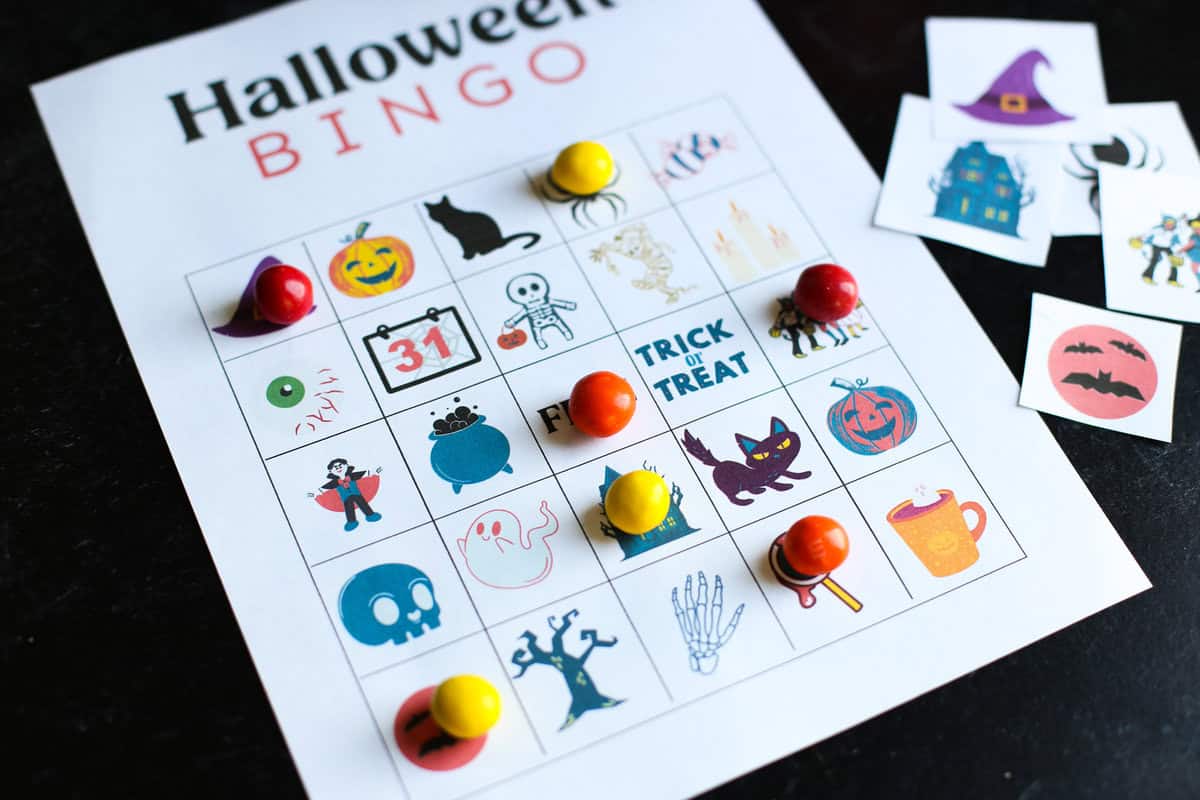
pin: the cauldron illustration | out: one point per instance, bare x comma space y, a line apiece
466, 450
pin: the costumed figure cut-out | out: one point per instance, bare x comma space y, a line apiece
1160, 241
349, 490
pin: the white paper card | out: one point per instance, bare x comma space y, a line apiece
1015, 80
994, 198
1149, 137
1151, 241
329, 136
1102, 368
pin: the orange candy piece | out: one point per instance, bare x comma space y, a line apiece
816, 545
602, 403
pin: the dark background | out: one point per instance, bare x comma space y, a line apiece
122, 667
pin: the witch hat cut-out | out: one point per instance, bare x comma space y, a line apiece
246, 321
1013, 98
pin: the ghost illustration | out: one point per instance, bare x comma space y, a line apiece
499, 554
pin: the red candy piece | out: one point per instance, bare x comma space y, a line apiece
825, 292
816, 545
283, 294
602, 403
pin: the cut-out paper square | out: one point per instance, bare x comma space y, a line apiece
1015, 80
1151, 238
1142, 137
997, 199
1101, 368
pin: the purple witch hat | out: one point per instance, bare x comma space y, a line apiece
245, 320
1013, 98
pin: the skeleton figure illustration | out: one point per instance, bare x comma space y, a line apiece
531, 292
700, 622
637, 244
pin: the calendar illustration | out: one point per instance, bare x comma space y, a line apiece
421, 349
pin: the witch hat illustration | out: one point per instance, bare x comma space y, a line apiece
1013, 98
245, 320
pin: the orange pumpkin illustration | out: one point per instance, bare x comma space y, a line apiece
511, 339
371, 267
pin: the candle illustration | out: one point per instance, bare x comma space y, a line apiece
782, 243
761, 249
734, 259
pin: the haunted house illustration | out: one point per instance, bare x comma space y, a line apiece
675, 526
981, 189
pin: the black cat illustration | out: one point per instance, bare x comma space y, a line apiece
766, 462
476, 232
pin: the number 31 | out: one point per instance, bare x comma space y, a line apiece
412, 358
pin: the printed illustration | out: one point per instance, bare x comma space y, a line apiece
685, 157
700, 622
674, 526
368, 267
1013, 98
766, 462
934, 527
465, 450
500, 554
246, 320
389, 603
803, 584
531, 292
870, 420
347, 490
635, 242
1167, 240
423, 742
769, 250
585, 695
310, 407
1191, 246
476, 232
419, 350
1102, 372
980, 189
1115, 151
791, 325
584, 203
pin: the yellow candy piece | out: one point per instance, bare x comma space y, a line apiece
465, 706
583, 168
638, 501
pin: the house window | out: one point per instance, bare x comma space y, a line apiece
971, 175
1002, 191
989, 212
1002, 177
975, 162
1003, 215
962, 208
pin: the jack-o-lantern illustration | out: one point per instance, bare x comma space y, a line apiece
368, 267
871, 419
510, 340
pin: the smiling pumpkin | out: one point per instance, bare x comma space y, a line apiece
367, 267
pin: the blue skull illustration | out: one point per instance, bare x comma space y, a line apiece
389, 602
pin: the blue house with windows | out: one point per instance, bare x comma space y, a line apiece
978, 188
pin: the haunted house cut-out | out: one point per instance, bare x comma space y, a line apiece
674, 526
981, 189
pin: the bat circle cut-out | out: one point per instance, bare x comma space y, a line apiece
1102, 372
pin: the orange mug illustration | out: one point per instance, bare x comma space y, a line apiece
936, 530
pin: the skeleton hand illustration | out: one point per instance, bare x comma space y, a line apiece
700, 622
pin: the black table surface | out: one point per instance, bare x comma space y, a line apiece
123, 666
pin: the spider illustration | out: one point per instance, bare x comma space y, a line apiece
584, 202
1116, 151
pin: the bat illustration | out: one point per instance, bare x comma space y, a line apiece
1103, 383
435, 743
1128, 347
1082, 347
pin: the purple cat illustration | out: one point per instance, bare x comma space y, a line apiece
766, 462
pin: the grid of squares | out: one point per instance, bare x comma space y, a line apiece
440, 324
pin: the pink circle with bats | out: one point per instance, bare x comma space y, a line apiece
1102, 372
